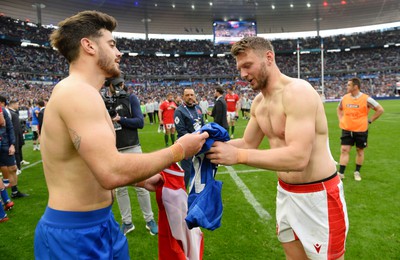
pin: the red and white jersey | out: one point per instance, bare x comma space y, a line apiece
175, 240
231, 102
168, 111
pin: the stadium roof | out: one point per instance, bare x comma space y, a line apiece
197, 16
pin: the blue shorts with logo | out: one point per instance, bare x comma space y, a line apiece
79, 235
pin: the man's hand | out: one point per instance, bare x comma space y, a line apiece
192, 143
226, 154
11, 150
116, 118
153, 182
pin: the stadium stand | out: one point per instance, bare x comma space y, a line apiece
29, 73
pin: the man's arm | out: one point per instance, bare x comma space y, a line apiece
253, 135
9, 129
300, 105
94, 139
375, 106
339, 111
137, 120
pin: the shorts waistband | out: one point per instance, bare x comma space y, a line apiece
75, 219
331, 182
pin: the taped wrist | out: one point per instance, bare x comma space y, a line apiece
178, 154
242, 156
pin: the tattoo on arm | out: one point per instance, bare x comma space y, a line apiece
76, 139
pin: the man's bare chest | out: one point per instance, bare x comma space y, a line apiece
271, 119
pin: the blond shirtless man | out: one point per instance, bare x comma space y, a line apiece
80, 159
311, 212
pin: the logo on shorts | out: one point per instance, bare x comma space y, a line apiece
317, 247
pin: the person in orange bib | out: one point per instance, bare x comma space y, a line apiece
353, 113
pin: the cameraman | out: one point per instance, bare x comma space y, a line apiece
128, 118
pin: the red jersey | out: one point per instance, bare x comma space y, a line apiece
168, 111
175, 240
231, 101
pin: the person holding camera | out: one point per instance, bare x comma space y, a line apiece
128, 116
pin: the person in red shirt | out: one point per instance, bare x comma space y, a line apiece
166, 115
232, 107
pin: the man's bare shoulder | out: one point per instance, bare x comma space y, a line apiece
258, 99
72, 92
298, 88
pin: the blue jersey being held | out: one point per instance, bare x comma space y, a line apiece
205, 202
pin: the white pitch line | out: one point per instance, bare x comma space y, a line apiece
242, 171
248, 195
31, 165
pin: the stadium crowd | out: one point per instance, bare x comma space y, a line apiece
29, 73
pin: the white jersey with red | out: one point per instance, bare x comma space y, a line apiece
175, 240
231, 102
315, 214
168, 111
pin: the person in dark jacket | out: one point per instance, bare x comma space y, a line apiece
219, 109
41, 105
8, 164
19, 135
129, 118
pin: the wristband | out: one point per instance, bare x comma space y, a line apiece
242, 156
178, 154
369, 121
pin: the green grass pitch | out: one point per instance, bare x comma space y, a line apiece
373, 204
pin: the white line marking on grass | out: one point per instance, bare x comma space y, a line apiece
242, 171
248, 195
31, 165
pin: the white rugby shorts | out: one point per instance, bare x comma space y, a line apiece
315, 214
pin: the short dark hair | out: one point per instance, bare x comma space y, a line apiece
13, 102
3, 99
356, 82
219, 90
41, 103
66, 39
